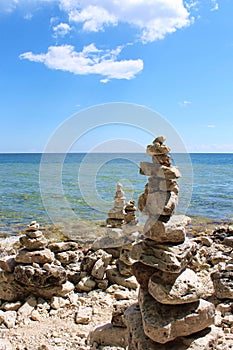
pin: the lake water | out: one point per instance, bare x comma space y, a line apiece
81, 186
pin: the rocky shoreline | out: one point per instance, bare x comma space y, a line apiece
163, 285
69, 321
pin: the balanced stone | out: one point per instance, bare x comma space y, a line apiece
31, 276
58, 247
143, 273
33, 226
38, 256
175, 289
172, 231
164, 172
33, 243
166, 257
163, 323
161, 203
156, 149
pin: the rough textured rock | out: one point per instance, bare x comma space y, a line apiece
176, 289
38, 256
12, 291
116, 278
143, 273
32, 276
7, 263
34, 243
223, 284
172, 231
59, 247
109, 335
165, 257
163, 323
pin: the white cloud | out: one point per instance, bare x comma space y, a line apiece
88, 61
28, 16
215, 5
185, 103
61, 29
94, 18
211, 126
154, 19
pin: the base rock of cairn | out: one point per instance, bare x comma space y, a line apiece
171, 312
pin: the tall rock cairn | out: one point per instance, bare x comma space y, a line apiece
169, 307
116, 214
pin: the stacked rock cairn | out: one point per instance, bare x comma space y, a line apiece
34, 269
170, 307
117, 242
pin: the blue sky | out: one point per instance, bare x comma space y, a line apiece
59, 57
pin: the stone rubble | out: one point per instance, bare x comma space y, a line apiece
170, 304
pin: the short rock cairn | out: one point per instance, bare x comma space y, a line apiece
34, 269
170, 309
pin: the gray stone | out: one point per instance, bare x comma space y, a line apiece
99, 269
115, 277
33, 226
143, 273
162, 159
118, 317
38, 277
8, 318
58, 247
206, 339
157, 149
58, 302
164, 323
7, 263
137, 338
172, 231
125, 270
49, 292
83, 316
12, 291
11, 306
26, 309
125, 255
68, 257
38, 256
109, 335
161, 203
166, 257
86, 284
228, 241
163, 172
34, 234
33, 243
223, 284
176, 289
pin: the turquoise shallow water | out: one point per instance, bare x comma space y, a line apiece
88, 185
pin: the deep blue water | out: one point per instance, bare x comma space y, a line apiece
86, 186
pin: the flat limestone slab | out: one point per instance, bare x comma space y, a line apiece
166, 257
175, 289
203, 340
172, 231
115, 277
164, 323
